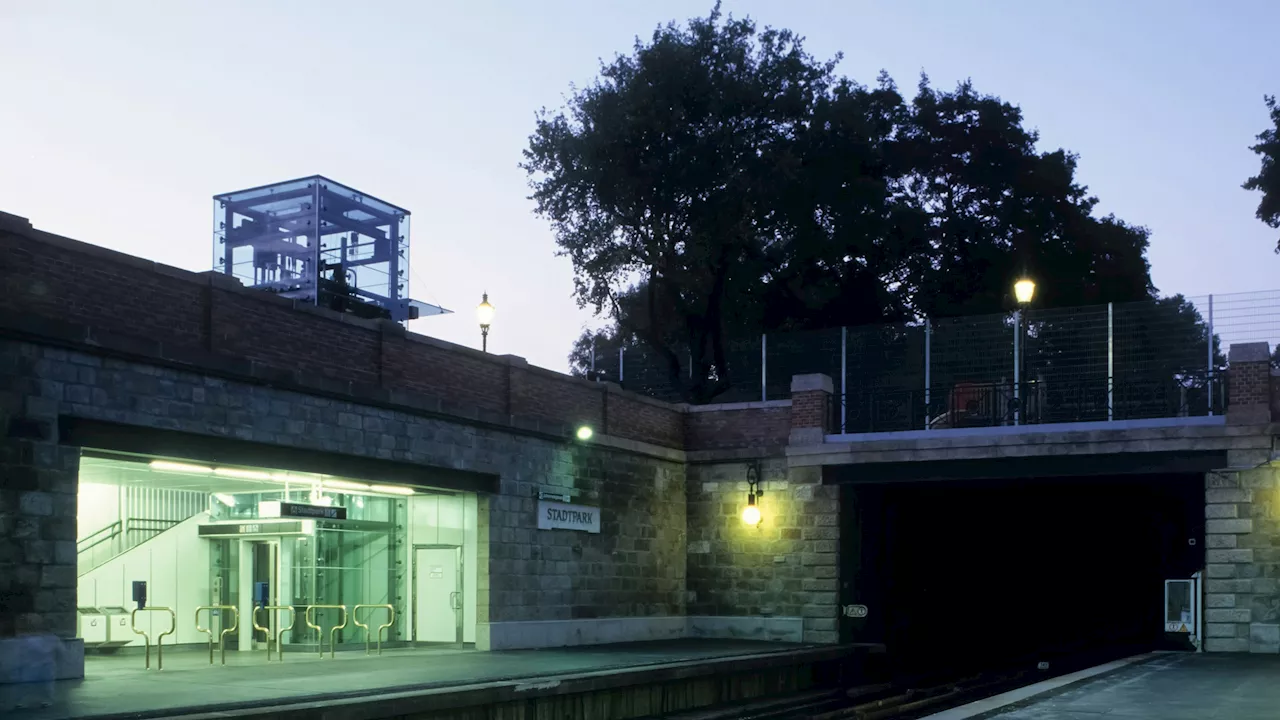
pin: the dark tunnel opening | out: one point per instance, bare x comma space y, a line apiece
963, 577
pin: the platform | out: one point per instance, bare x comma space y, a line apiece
1165, 686
420, 682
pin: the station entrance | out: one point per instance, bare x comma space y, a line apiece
252, 562
976, 575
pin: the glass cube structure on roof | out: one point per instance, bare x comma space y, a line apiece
320, 242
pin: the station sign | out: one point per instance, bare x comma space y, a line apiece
563, 516
277, 509
254, 527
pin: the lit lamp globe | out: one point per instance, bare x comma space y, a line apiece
1024, 290
751, 515
584, 433
484, 313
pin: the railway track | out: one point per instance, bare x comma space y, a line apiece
903, 698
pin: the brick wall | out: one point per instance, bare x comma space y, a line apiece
811, 403
634, 567
757, 425
1249, 388
786, 566
104, 293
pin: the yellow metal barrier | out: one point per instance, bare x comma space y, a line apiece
173, 625
293, 617
391, 620
333, 633
222, 636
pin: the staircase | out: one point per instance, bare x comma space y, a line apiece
104, 545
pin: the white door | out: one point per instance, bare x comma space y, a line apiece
437, 596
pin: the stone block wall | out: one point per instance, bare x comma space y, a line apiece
1242, 554
785, 567
634, 567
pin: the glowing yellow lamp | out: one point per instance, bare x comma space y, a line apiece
751, 515
1024, 290
585, 432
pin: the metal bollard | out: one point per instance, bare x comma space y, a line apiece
173, 625
222, 636
293, 618
391, 620
333, 633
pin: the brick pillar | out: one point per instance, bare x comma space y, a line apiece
1249, 384
810, 408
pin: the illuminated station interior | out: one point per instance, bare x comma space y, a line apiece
240, 541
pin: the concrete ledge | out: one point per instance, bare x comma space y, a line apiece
532, 634
1249, 352
774, 629
1170, 435
566, 633
980, 708
812, 381
730, 407
638, 447
547, 694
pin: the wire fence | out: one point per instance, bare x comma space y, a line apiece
1158, 358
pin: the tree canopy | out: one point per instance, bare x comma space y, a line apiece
1267, 181
719, 181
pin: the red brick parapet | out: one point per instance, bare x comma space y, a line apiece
65, 292
1249, 384
810, 408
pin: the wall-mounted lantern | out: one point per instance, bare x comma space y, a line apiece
751, 513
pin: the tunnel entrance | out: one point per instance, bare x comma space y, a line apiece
966, 576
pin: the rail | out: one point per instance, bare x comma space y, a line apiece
1029, 402
1164, 357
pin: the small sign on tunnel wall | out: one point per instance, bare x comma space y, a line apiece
855, 611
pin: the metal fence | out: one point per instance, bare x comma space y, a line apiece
1159, 358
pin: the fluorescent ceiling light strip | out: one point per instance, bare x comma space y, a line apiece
392, 489
346, 485
242, 474
165, 465
286, 477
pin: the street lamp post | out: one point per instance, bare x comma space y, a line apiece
1023, 291
484, 313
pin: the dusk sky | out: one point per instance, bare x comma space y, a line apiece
120, 120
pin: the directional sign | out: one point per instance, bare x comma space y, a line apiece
855, 611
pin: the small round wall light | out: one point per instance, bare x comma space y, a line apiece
584, 433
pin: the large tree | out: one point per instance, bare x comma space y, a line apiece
1267, 181
676, 183
719, 182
